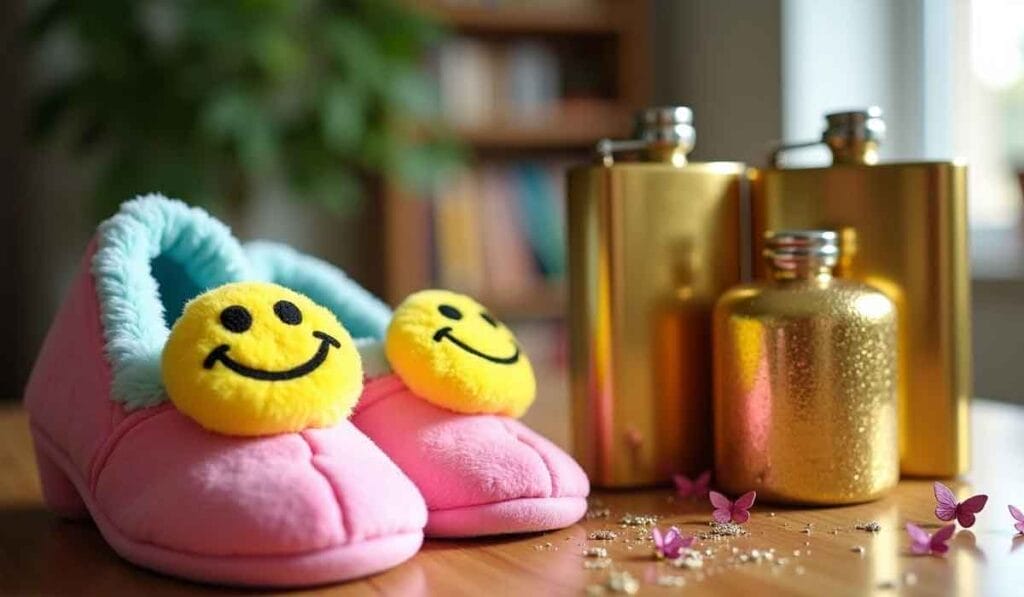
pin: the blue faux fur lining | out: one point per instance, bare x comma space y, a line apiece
155, 236
363, 314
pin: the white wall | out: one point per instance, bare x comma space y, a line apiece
848, 54
721, 58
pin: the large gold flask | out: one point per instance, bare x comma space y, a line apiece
904, 231
806, 380
653, 241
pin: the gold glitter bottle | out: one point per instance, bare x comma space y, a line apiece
904, 231
806, 377
653, 241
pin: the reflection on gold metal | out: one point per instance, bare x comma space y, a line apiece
909, 223
806, 372
653, 242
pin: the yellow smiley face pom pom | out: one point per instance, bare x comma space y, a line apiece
448, 349
258, 359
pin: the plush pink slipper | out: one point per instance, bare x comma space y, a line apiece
448, 420
297, 508
480, 474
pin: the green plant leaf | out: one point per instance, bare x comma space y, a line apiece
203, 99
344, 119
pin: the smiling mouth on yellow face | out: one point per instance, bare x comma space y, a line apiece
326, 342
446, 332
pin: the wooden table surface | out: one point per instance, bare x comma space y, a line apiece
40, 554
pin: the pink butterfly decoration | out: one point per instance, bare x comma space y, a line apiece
963, 512
670, 544
921, 543
1017, 514
692, 489
726, 510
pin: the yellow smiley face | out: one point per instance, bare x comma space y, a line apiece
448, 349
258, 359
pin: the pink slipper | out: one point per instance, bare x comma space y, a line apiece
302, 508
480, 474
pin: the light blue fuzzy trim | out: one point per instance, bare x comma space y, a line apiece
130, 305
362, 313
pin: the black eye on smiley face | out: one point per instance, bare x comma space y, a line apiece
446, 332
237, 319
287, 312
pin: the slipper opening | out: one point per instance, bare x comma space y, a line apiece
152, 257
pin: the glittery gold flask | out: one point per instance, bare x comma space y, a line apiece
908, 222
806, 379
653, 241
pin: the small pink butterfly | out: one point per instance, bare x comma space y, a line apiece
695, 489
726, 510
948, 508
670, 544
921, 543
1017, 514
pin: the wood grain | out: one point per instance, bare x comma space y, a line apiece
40, 554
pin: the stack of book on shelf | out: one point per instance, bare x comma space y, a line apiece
524, 82
483, 84
499, 231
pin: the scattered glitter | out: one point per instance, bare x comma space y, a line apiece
755, 556
690, 560
806, 543
796, 553
858, 549
597, 564
671, 581
806, 531
871, 527
639, 520
595, 552
547, 546
598, 513
620, 581
799, 570
723, 529
602, 535
771, 515
909, 579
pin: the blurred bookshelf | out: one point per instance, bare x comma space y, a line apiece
528, 86
512, 17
